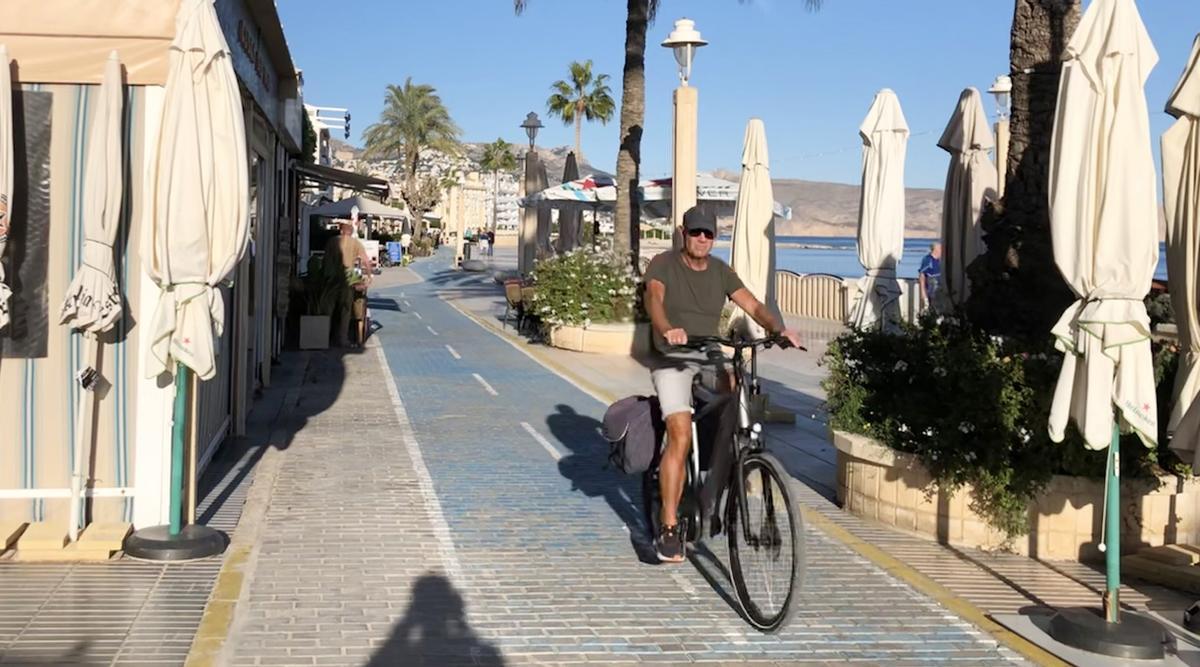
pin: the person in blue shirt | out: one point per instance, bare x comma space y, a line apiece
930, 275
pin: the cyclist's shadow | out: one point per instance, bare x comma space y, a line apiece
586, 465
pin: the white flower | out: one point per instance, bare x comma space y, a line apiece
928, 433
904, 428
1025, 435
939, 372
966, 427
900, 366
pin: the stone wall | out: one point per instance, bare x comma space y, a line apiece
894, 488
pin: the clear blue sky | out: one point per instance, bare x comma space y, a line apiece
809, 76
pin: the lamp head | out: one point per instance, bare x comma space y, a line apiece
531, 125
1002, 90
684, 40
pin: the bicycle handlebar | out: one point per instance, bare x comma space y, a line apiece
699, 342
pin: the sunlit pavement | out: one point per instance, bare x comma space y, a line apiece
470, 519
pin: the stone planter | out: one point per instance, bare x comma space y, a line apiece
623, 338
892, 487
314, 332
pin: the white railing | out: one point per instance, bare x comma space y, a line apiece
828, 297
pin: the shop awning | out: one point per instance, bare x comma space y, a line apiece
321, 175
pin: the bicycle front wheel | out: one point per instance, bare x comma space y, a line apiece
766, 542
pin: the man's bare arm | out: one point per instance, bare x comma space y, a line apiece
763, 315
656, 292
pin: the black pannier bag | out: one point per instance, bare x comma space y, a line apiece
633, 427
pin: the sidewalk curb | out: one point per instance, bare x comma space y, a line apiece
820, 520
237, 570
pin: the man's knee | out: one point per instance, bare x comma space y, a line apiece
679, 431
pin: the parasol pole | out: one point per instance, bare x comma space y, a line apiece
1112, 530
178, 426
86, 377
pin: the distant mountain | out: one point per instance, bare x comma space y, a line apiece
831, 209
555, 157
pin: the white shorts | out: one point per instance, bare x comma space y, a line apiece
673, 382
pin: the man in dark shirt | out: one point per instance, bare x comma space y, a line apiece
686, 290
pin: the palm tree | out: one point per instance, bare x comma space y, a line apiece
413, 119
1016, 287
584, 96
639, 14
497, 157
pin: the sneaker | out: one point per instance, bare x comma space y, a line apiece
669, 544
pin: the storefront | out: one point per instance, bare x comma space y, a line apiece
58, 49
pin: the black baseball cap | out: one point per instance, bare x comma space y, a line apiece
698, 218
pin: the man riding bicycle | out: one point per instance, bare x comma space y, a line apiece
686, 291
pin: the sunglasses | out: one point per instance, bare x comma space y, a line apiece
698, 232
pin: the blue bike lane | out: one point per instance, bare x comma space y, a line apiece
549, 543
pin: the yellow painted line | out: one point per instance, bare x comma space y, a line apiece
893, 566
939, 593
218, 613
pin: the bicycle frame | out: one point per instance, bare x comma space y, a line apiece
745, 386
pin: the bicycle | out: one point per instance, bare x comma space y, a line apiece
764, 532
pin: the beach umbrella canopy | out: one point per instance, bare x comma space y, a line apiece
1103, 222
570, 222
970, 181
6, 175
752, 254
366, 207
200, 195
884, 135
716, 194
1181, 194
584, 194
92, 303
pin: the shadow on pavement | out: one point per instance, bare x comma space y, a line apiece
434, 631
588, 469
313, 380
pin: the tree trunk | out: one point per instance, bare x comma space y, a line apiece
1016, 287
633, 111
578, 122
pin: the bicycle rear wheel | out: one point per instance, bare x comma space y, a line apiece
766, 542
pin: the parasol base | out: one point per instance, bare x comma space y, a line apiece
193, 542
1134, 637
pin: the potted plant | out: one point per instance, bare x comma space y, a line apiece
942, 430
320, 298
589, 300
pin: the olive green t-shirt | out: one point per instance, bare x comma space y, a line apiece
694, 299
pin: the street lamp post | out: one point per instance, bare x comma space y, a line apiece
1002, 90
527, 238
683, 40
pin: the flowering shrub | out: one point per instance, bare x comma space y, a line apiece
584, 286
972, 407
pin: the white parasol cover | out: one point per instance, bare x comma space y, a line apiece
881, 213
92, 304
752, 252
970, 182
1103, 221
1181, 194
201, 195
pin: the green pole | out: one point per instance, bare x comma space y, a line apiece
178, 423
1112, 530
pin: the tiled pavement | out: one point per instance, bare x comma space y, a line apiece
472, 521
129, 612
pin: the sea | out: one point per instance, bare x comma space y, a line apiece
837, 255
